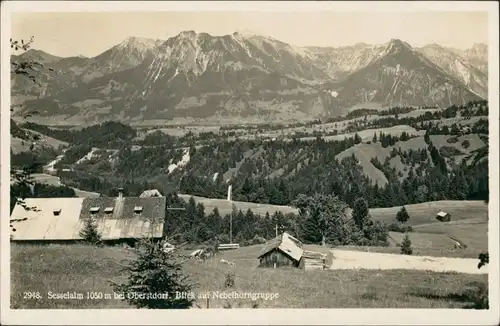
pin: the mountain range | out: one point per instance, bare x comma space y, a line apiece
197, 76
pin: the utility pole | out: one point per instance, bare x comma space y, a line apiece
231, 229
230, 199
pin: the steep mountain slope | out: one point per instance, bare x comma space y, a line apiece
339, 62
23, 88
200, 76
59, 73
459, 67
477, 55
401, 76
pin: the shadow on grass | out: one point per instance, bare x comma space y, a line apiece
473, 296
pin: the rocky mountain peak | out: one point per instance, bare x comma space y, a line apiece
396, 46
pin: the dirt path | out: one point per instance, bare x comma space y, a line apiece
344, 259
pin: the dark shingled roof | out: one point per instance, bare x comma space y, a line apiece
124, 222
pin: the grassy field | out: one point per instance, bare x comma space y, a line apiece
226, 207
18, 145
80, 268
425, 213
56, 181
473, 235
469, 227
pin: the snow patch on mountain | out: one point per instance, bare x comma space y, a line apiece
182, 163
462, 71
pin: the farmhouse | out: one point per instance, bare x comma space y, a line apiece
61, 219
443, 217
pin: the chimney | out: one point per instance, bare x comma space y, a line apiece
229, 192
120, 193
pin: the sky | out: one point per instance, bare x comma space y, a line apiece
91, 33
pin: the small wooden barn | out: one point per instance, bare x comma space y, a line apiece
286, 251
443, 217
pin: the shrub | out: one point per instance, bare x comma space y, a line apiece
402, 216
452, 140
478, 295
465, 144
406, 248
448, 151
229, 281
484, 258
399, 227
258, 240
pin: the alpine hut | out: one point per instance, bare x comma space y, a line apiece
443, 217
286, 251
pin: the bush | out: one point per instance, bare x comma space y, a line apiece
479, 296
448, 151
402, 216
229, 281
224, 238
406, 248
465, 144
399, 227
484, 258
254, 241
452, 140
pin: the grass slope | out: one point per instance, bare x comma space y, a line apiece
425, 213
226, 207
80, 268
18, 145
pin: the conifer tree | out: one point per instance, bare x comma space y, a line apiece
406, 248
89, 232
155, 273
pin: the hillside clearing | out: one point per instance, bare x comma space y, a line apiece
61, 268
18, 145
56, 181
425, 213
226, 207
472, 235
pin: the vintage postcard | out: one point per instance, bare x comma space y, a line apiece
237, 163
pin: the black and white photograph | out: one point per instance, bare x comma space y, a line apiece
233, 157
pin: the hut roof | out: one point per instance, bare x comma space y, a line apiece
442, 214
288, 245
49, 219
64, 218
125, 220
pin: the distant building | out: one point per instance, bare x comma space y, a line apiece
119, 219
151, 193
443, 217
